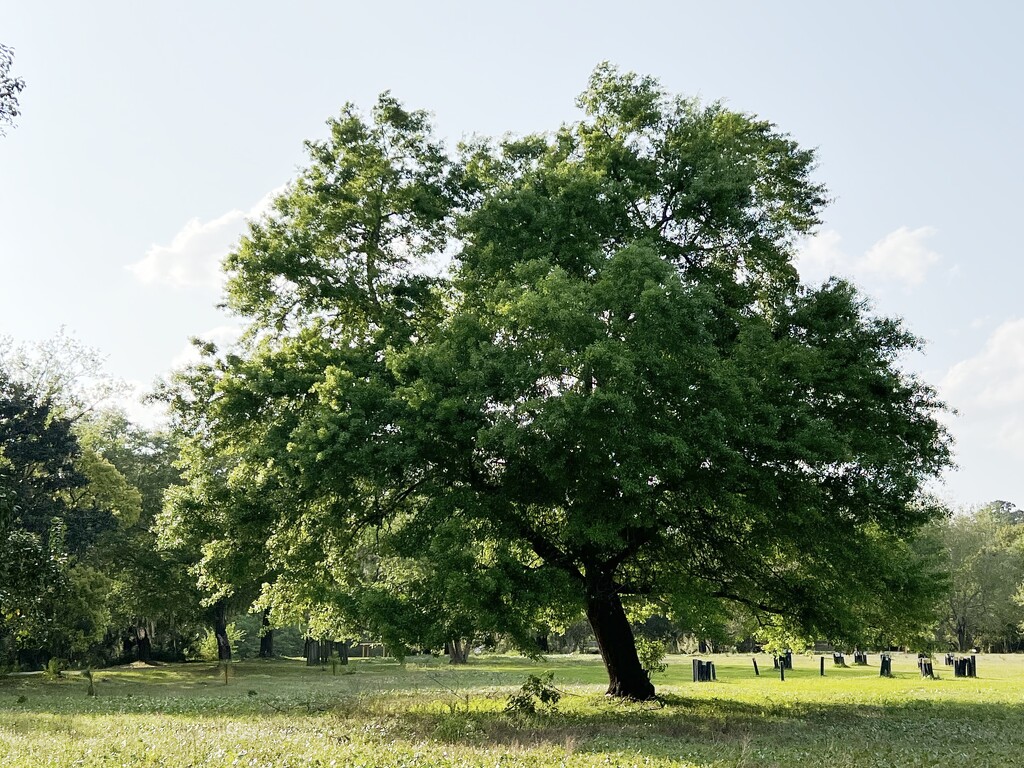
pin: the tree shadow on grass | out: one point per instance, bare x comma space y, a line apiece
699, 730
724, 732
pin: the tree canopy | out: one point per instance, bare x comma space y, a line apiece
10, 88
617, 394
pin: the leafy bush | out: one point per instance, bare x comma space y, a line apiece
538, 689
54, 668
652, 655
207, 648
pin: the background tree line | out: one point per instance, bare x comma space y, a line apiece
86, 573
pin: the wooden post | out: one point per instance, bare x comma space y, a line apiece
822, 666
756, 672
782, 670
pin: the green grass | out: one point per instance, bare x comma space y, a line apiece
282, 713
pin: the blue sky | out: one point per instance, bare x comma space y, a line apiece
149, 132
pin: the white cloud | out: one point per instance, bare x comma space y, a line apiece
222, 336
146, 414
988, 388
995, 376
901, 256
194, 255
821, 257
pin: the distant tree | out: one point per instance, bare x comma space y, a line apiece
10, 88
984, 556
79, 489
155, 609
44, 530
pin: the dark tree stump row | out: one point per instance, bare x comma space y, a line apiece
703, 671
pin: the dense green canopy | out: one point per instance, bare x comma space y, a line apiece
618, 390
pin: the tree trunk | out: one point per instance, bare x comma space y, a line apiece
626, 678
220, 629
267, 638
459, 651
961, 634
143, 644
312, 652
343, 649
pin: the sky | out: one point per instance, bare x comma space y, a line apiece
151, 131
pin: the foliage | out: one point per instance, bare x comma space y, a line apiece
778, 636
63, 372
538, 690
79, 489
206, 650
651, 654
288, 640
54, 669
983, 553
10, 88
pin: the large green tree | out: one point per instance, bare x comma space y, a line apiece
619, 385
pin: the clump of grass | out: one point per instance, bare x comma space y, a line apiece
54, 669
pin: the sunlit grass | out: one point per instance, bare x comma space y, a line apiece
380, 713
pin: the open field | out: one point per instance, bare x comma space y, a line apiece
281, 713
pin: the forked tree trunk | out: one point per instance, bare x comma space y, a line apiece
220, 629
961, 634
267, 638
626, 678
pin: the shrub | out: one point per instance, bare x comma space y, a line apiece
207, 648
538, 689
54, 669
652, 655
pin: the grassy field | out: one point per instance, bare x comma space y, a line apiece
281, 713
